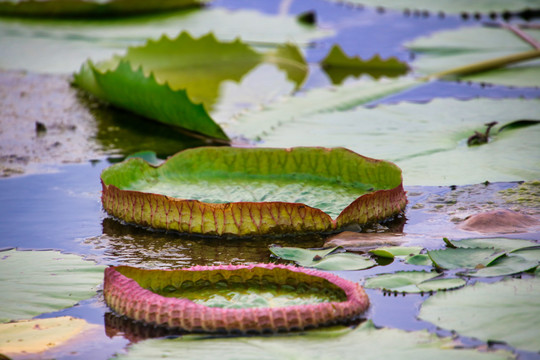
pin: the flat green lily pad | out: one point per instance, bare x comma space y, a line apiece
37, 282
240, 191
323, 259
453, 48
504, 244
63, 45
412, 282
507, 311
346, 343
397, 251
428, 141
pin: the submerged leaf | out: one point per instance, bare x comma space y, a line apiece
338, 66
178, 81
345, 343
244, 191
428, 141
412, 282
36, 282
507, 311
454, 48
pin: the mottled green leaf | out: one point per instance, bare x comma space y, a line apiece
412, 282
428, 141
507, 311
36, 282
449, 49
464, 258
345, 343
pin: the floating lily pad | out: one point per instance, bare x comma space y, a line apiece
453, 48
420, 259
502, 244
514, 263
178, 81
207, 298
339, 66
412, 282
428, 141
454, 6
323, 259
240, 191
69, 8
36, 282
397, 251
33, 337
507, 311
344, 343
464, 258
63, 45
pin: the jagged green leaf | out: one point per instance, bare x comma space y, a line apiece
179, 81
345, 343
36, 282
63, 45
338, 66
454, 48
412, 282
507, 311
454, 6
70, 8
428, 141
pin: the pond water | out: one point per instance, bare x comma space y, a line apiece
61, 209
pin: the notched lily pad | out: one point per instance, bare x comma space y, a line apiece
339, 66
323, 259
412, 282
215, 298
241, 191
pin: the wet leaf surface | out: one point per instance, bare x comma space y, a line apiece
413, 282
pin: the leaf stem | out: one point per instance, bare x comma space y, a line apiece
486, 65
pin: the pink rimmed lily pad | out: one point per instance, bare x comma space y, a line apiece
142, 295
256, 191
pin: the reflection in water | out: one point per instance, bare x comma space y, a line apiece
129, 245
339, 75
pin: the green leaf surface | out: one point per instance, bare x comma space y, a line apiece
507, 311
464, 258
37, 282
339, 66
412, 282
428, 141
323, 259
63, 45
303, 257
420, 259
179, 81
513, 263
454, 6
449, 49
67, 8
344, 343
148, 156
502, 244
397, 251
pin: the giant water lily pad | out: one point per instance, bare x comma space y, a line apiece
449, 49
428, 141
240, 191
63, 45
214, 299
36, 282
89, 7
343, 343
507, 311
179, 81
